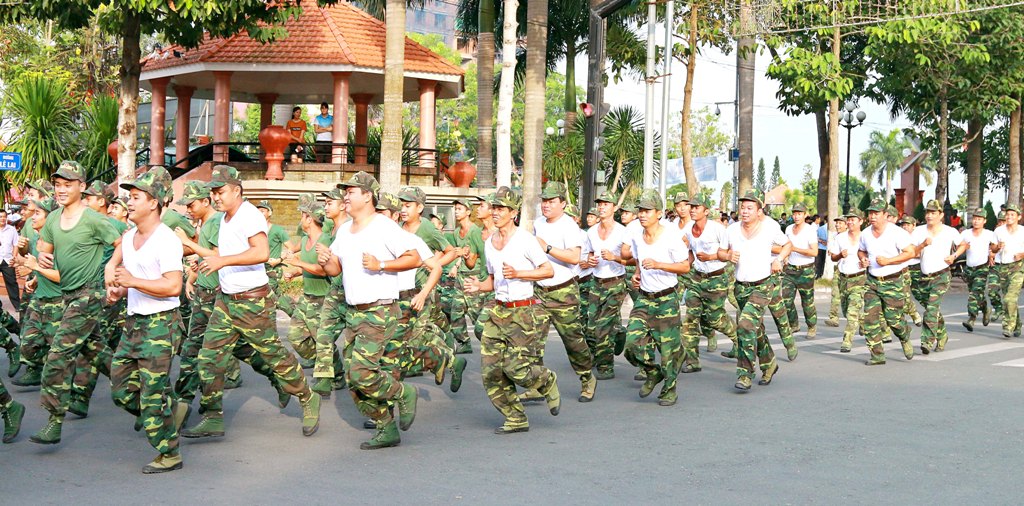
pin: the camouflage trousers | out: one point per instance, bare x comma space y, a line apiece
459, 306
281, 301
511, 351
372, 388
75, 336
42, 317
1013, 277
603, 319
140, 375
333, 319
447, 294
779, 310
486, 306
911, 278
418, 344
251, 320
884, 300
851, 292
753, 298
631, 291
8, 327
995, 288
799, 280
705, 308
654, 325
188, 382
836, 302
929, 290
977, 289
109, 330
561, 307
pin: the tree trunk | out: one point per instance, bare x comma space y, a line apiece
832, 199
686, 142
570, 86
128, 101
746, 52
824, 155
394, 64
1014, 180
974, 133
942, 173
485, 96
533, 124
505, 95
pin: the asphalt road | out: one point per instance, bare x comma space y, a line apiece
942, 429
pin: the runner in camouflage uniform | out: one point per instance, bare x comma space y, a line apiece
977, 268
43, 314
851, 276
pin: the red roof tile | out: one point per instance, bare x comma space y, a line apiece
342, 34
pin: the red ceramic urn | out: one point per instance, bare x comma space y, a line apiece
461, 174
112, 150
274, 139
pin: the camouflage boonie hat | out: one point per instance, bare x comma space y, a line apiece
980, 212
48, 204
506, 197
71, 171
680, 197
854, 213
265, 204
892, 211
572, 210
799, 207
222, 175
194, 190
1013, 207
155, 181
388, 202
649, 199
464, 202
628, 207
605, 196
933, 205
877, 205
553, 190
907, 220
362, 180
753, 195
412, 194
700, 199
333, 194
42, 186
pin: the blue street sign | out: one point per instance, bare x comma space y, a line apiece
10, 161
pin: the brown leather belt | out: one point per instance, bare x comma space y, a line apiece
655, 295
583, 279
936, 273
370, 305
889, 277
854, 275
518, 303
608, 281
256, 293
753, 283
914, 267
707, 275
408, 294
559, 286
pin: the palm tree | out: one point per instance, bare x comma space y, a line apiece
533, 124
883, 158
624, 142
44, 131
99, 122
505, 93
563, 159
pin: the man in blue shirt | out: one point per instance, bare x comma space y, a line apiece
323, 127
819, 262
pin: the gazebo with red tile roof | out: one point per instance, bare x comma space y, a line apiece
331, 54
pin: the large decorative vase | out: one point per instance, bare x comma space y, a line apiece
461, 174
112, 150
274, 140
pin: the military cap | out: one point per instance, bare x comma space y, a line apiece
592, 210
43, 186
877, 205
753, 195
572, 210
700, 199
553, 190
907, 220
361, 180
47, 204
265, 204
194, 190
799, 207
854, 213
980, 212
444, 221
892, 211
679, 197
316, 210
222, 175
628, 206
606, 196
99, 189
71, 171
412, 194
333, 194
388, 202
1013, 207
649, 199
155, 181
1001, 216
506, 197
933, 205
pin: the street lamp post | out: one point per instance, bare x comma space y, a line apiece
846, 121
734, 150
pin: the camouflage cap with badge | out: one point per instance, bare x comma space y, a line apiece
649, 199
305, 201
680, 197
799, 207
265, 204
506, 197
413, 194
753, 195
464, 202
333, 194
155, 181
47, 204
316, 210
606, 196
892, 211
553, 190
1001, 216
363, 181
99, 189
854, 213
388, 202
979, 213
933, 205
194, 190
1013, 207
43, 186
907, 220
701, 199
877, 206
628, 206
224, 175
70, 170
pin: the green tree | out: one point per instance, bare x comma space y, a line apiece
99, 128
991, 218
44, 129
725, 197
883, 157
759, 180
776, 179
865, 201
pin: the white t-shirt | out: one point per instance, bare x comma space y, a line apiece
979, 246
933, 256
407, 279
582, 272
522, 252
562, 234
160, 254
891, 243
1013, 244
618, 236
710, 241
383, 239
913, 260
850, 264
755, 252
668, 248
807, 238
233, 239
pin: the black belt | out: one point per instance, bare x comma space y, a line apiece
608, 281
914, 267
889, 277
255, 293
854, 275
583, 279
936, 273
369, 305
753, 283
710, 274
559, 286
655, 295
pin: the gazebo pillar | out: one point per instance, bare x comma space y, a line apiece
362, 101
339, 134
183, 123
266, 113
221, 114
157, 122
428, 125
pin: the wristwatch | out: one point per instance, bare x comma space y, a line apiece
548, 249
382, 264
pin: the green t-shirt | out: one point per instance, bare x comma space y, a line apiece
311, 283
174, 219
328, 229
26, 229
121, 227
78, 253
277, 236
435, 241
208, 239
475, 241
45, 289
